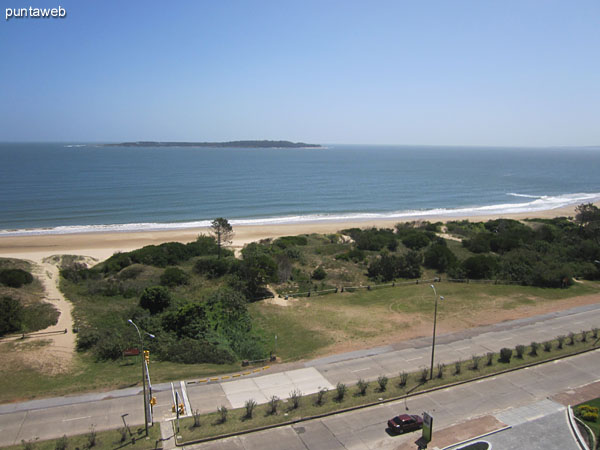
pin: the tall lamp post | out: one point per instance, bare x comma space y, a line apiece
434, 324
143, 371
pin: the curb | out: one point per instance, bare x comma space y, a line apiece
389, 400
578, 438
228, 377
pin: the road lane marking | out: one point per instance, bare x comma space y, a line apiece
76, 418
414, 359
358, 370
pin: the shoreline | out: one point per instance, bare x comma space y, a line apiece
102, 245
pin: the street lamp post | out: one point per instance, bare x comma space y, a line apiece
434, 324
143, 372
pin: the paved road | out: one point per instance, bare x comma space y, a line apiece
54, 417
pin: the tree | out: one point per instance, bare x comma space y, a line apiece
222, 231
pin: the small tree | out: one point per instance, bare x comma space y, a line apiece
319, 273
222, 232
249, 405
222, 410
91, 437
362, 386
475, 362
403, 379
457, 367
196, 415
584, 336
490, 358
155, 299
423, 375
505, 355
295, 397
11, 317
534, 349
520, 351
440, 370
273, 405
341, 389
547, 346
561, 341
321, 396
571, 338
382, 381
595, 333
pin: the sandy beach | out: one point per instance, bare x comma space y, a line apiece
104, 245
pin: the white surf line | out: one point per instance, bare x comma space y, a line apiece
76, 418
186, 400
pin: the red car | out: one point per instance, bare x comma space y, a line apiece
405, 422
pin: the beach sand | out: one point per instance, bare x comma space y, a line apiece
104, 245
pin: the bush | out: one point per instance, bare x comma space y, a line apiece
11, 318
174, 276
505, 355
571, 338
548, 346
534, 348
457, 367
490, 358
249, 405
62, 443
319, 273
341, 391
587, 412
520, 351
222, 410
321, 396
416, 240
155, 299
440, 370
213, 267
439, 257
403, 379
91, 437
561, 340
362, 386
290, 241
295, 397
15, 278
273, 405
480, 266
475, 360
382, 381
196, 414
423, 375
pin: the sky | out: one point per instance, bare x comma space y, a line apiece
490, 73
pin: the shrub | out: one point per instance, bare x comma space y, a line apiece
62, 443
439, 257
595, 333
475, 362
403, 379
123, 434
571, 338
505, 355
12, 315
249, 405
15, 278
534, 349
587, 412
273, 405
547, 346
584, 336
422, 377
382, 381
295, 397
457, 367
223, 411
561, 340
490, 358
520, 351
440, 370
174, 276
196, 414
321, 396
155, 299
214, 267
362, 386
91, 437
319, 273
341, 391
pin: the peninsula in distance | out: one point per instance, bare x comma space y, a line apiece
230, 144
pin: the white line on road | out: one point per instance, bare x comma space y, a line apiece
76, 418
358, 370
462, 348
505, 339
414, 359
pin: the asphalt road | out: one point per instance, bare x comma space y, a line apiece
49, 418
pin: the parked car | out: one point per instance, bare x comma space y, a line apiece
405, 422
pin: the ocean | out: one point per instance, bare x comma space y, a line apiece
51, 188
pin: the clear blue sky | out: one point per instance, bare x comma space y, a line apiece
510, 72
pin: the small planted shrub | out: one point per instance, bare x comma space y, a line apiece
595, 333
534, 349
475, 360
62, 443
548, 346
382, 381
505, 355
587, 412
91, 437
423, 375
490, 358
223, 411
440, 370
571, 339
321, 396
27, 445
249, 405
457, 367
341, 389
196, 415
520, 351
362, 386
295, 397
584, 336
403, 379
561, 341
123, 434
273, 405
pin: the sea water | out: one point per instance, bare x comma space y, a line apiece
63, 188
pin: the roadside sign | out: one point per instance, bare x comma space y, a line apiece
131, 352
427, 427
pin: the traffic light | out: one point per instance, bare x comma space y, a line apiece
147, 356
153, 401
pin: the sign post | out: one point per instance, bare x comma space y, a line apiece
427, 427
